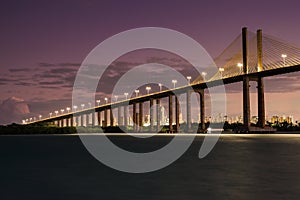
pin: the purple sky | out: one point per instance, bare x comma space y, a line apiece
42, 43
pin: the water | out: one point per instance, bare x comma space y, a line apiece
239, 167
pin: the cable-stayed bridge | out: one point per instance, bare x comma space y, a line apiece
250, 57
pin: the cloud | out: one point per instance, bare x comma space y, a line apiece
66, 64
19, 69
51, 82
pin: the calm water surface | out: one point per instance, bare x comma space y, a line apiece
239, 167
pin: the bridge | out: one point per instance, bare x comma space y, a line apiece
259, 56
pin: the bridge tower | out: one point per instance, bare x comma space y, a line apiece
246, 85
258, 79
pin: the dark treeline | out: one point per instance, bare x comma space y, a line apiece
17, 129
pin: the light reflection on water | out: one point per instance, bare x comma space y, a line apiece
241, 166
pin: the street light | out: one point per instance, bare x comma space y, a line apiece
136, 93
126, 95
75, 108
98, 102
283, 57
160, 86
189, 79
62, 111
240, 65
203, 74
221, 70
148, 88
90, 105
30, 119
68, 109
174, 82
106, 99
56, 112
40, 117
50, 114
82, 106
116, 97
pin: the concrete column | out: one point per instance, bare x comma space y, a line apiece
134, 117
111, 116
72, 121
87, 119
188, 111
177, 113
170, 113
246, 92
141, 114
151, 115
67, 122
261, 102
99, 118
105, 118
158, 110
125, 116
77, 120
246, 102
82, 120
93, 119
120, 123
202, 110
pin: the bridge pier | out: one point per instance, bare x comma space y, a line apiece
67, 122
111, 115
188, 111
151, 115
126, 117
134, 118
177, 112
99, 118
105, 118
158, 112
141, 121
202, 111
72, 121
170, 113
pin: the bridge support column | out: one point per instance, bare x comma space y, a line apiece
261, 102
61, 123
141, 116
93, 119
72, 121
76, 120
87, 119
126, 117
170, 113
246, 102
82, 120
151, 115
99, 118
105, 118
67, 122
134, 119
120, 123
188, 111
158, 111
177, 112
202, 111
111, 115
